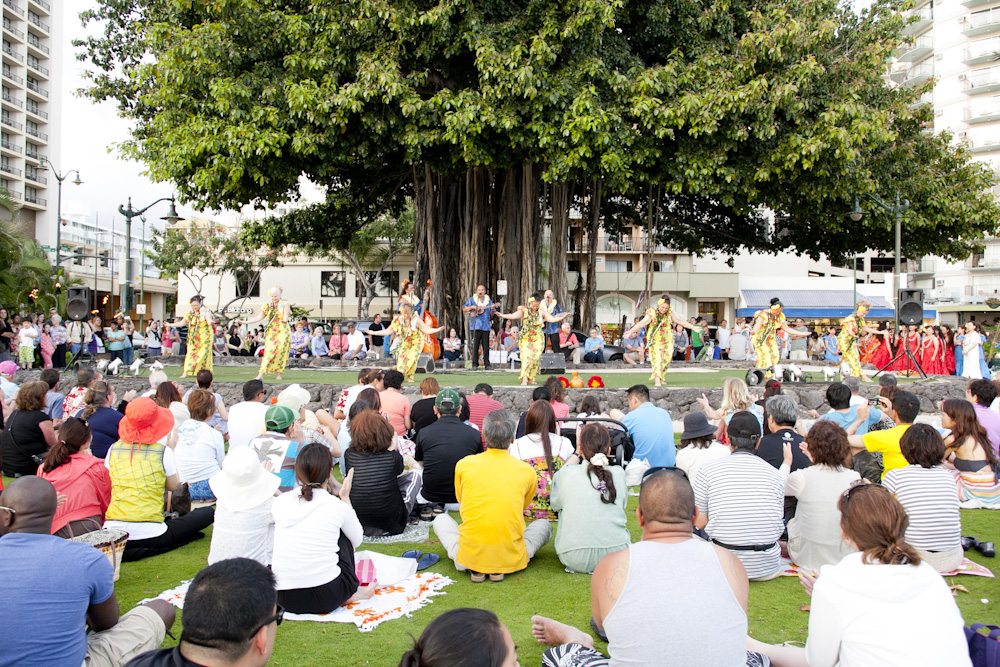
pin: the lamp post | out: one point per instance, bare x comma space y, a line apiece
59, 178
897, 210
111, 269
129, 213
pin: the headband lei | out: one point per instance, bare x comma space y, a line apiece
775, 306
660, 302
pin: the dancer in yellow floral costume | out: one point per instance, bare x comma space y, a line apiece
763, 335
277, 336
660, 336
851, 328
531, 340
410, 330
199, 339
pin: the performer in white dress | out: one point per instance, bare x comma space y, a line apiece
972, 353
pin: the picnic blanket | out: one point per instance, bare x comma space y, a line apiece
401, 591
790, 569
420, 532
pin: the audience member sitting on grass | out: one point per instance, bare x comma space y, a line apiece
246, 418
740, 501
494, 489
367, 378
843, 413
879, 606
593, 347
56, 589
735, 398
422, 413
220, 416
698, 444
590, 499
244, 525
76, 399
970, 456
280, 444
781, 414
317, 426
905, 408
668, 599
53, 399
384, 493
8, 369
538, 394
27, 432
395, 406
545, 451
461, 637
982, 393
814, 537
200, 448
102, 417
168, 395
439, 447
142, 468
80, 477
482, 403
557, 393
927, 492
315, 535
230, 617
651, 428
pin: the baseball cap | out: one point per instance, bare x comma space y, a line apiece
744, 425
448, 399
278, 417
251, 388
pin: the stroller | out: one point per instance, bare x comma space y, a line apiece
622, 447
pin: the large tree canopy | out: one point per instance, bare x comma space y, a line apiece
497, 115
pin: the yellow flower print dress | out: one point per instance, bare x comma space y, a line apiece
411, 344
660, 341
765, 341
199, 343
277, 340
531, 342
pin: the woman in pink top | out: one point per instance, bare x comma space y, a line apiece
558, 392
338, 343
79, 476
395, 406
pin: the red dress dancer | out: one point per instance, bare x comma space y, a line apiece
949, 357
882, 354
912, 341
931, 360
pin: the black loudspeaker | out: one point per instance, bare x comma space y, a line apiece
78, 303
425, 363
910, 306
551, 362
756, 376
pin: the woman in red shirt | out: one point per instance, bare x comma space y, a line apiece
79, 476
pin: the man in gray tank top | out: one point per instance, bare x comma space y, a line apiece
671, 599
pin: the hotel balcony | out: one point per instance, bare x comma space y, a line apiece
916, 75
925, 19
984, 144
982, 81
983, 111
982, 52
981, 23
923, 46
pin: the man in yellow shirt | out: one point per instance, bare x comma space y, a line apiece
905, 408
493, 489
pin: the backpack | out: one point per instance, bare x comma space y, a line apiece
984, 650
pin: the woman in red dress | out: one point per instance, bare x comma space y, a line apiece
932, 355
948, 339
909, 339
882, 354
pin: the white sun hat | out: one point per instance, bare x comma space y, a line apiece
243, 482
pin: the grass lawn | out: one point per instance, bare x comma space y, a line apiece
713, 378
543, 588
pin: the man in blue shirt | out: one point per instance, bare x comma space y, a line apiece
54, 588
651, 428
480, 308
593, 347
844, 414
551, 330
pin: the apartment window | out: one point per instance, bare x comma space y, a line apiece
331, 284
573, 265
32, 125
663, 266
618, 266
246, 284
388, 285
882, 264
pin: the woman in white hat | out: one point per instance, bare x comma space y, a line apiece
244, 526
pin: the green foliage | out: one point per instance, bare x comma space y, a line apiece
728, 106
27, 281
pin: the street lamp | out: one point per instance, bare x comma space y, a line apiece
60, 178
897, 210
129, 213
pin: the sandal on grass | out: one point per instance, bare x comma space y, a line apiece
477, 577
496, 578
426, 561
415, 554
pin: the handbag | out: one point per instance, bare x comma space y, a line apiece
37, 458
984, 650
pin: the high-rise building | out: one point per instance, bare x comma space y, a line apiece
29, 110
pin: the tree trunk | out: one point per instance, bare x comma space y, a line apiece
650, 241
590, 306
557, 242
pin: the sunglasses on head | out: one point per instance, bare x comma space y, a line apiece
275, 618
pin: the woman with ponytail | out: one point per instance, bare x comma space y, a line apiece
590, 499
461, 637
880, 606
315, 535
101, 417
81, 477
545, 451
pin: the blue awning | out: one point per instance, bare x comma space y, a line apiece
818, 304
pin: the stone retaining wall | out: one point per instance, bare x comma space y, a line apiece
678, 401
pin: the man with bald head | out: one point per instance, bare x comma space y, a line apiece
54, 589
670, 599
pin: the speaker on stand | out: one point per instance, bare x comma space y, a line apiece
909, 312
425, 363
78, 310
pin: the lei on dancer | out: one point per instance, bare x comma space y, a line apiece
660, 336
410, 329
277, 335
851, 329
199, 338
531, 339
763, 335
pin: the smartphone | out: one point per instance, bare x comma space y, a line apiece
874, 402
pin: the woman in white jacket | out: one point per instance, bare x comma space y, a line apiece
881, 607
315, 535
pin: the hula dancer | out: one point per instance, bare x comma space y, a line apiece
851, 328
531, 340
199, 339
763, 335
660, 336
410, 329
277, 335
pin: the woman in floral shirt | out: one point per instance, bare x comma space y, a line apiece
545, 451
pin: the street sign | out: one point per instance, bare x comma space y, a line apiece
501, 288
140, 309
